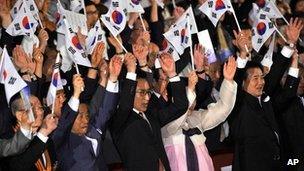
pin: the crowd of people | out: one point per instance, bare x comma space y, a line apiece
124, 113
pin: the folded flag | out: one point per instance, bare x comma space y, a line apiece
9, 76
269, 8
74, 48
134, 6
96, 35
56, 83
214, 9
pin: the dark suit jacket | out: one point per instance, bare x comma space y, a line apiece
26, 160
291, 118
140, 147
76, 152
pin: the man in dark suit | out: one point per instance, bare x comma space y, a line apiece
289, 106
78, 141
254, 125
136, 125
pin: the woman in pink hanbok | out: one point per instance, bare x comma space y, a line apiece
183, 138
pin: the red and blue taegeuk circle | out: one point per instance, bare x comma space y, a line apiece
261, 28
76, 43
26, 23
183, 35
219, 4
117, 17
136, 2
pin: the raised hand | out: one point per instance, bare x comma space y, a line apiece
43, 37
199, 57
192, 80
20, 57
241, 41
178, 12
37, 55
293, 30
5, 14
130, 62
229, 69
141, 53
115, 67
78, 85
103, 72
49, 124
97, 54
168, 65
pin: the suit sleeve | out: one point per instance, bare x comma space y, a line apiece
14, 145
96, 101
109, 103
125, 106
27, 159
177, 108
65, 123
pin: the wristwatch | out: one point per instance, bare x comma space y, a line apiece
291, 45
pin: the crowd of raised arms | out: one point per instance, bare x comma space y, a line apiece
152, 85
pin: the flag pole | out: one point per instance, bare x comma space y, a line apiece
142, 22
238, 25
191, 48
120, 44
38, 17
173, 3
77, 71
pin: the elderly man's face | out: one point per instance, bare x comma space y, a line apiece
254, 83
38, 112
142, 95
81, 124
60, 99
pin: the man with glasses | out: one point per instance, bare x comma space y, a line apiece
136, 125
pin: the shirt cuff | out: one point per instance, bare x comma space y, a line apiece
131, 76
294, 72
42, 137
74, 104
287, 51
26, 133
112, 87
241, 63
267, 62
174, 79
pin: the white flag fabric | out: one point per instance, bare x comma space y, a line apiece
267, 60
31, 5
25, 95
115, 20
74, 48
134, 6
262, 29
214, 9
95, 35
56, 83
9, 76
189, 16
269, 8
23, 24
168, 48
76, 5
179, 36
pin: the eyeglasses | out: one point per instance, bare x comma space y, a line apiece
144, 92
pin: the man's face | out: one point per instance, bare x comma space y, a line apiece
38, 112
142, 95
60, 99
254, 83
92, 15
80, 126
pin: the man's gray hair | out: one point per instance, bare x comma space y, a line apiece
16, 106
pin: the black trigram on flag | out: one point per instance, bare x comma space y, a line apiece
17, 26
260, 40
214, 15
176, 33
115, 4
12, 80
72, 50
210, 4
99, 37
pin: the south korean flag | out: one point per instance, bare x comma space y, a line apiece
262, 29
